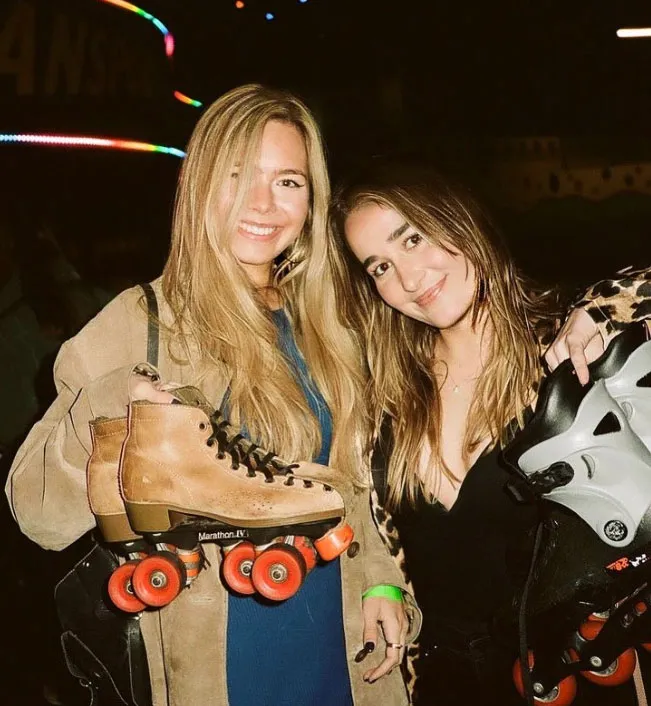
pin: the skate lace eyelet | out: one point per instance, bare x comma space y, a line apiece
221, 456
210, 442
202, 426
327, 488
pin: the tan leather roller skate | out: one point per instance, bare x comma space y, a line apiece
107, 506
186, 476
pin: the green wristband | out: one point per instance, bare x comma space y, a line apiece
393, 593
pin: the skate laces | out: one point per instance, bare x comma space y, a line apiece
245, 453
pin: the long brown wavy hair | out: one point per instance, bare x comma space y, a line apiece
220, 318
400, 351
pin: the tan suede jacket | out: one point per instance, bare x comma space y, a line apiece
46, 488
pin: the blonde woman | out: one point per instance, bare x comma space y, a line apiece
453, 338
247, 311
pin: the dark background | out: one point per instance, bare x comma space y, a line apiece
537, 105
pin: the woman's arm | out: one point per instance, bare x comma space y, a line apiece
401, 620
614, 303
46, 486
600, 314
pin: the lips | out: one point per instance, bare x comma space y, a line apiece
429, 295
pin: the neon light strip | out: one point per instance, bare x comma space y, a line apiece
74, 141
167, 35
185, 99
169, 39
634, 32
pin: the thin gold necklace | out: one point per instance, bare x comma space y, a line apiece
456, 387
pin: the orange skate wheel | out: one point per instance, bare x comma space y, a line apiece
306, 548
237, 567
278, 572
617, 672
158, 579
334, 542
647, 646
120, 589
561, 695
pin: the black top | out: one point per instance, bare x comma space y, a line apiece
465, 563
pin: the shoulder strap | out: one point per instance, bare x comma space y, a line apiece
152, 324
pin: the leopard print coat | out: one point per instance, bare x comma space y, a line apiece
612, 304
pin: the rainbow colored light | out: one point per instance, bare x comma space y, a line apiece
186, 99
81, 141
167, 36
169, 39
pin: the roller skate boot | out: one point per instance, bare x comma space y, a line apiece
625, 368
581, 451
106, 504
187, 477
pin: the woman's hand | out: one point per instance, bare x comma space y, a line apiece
580, 340
142, 387
390, 614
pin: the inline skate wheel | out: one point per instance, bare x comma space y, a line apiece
616, 673
561, 695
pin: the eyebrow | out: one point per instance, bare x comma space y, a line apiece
392, 236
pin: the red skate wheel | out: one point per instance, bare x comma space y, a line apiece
334, 542
619, 671
647, 646
278, 572
306, 548
237, 567
120, 589
561, 695
158, 579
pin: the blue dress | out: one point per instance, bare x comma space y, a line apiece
291, 653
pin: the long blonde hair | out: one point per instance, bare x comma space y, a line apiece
400, 351
220, 318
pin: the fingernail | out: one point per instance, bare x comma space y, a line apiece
367, 649
371, 681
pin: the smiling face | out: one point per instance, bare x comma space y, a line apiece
276, 205
421, 279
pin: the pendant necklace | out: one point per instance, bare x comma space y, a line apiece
456, 388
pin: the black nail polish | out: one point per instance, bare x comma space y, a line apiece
366, 650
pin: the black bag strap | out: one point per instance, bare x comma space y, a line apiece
152, 324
